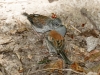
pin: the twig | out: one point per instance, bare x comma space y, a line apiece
57, 69
75, 28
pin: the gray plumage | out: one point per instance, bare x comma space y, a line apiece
61, 30
43, 23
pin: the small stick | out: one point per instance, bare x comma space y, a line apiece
75, 28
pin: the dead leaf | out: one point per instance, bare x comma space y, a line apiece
58, 64
93, 52
71, 36
93, 56
75, 66
88, 33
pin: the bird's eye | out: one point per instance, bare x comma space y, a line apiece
57, 25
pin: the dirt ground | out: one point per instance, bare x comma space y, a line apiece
23, 52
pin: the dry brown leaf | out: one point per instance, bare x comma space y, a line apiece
58, 64
93, 52
93, 56
75, 66
71, 36
88, 33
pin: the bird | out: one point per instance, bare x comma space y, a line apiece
61, 30
56, 44
43, 23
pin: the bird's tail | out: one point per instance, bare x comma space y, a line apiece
29, 17
25, 14
64, 56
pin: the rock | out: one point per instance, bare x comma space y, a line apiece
91, 43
